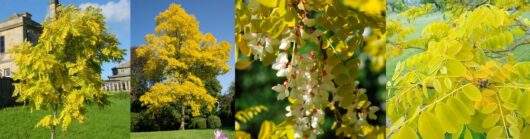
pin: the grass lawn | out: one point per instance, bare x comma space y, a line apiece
186, 134
111, 122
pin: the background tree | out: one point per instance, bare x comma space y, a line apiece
62, 72
184, 57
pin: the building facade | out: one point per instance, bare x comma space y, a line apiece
120, 81
14, 31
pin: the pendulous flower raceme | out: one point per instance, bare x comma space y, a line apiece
315, 46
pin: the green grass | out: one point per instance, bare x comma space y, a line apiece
178, 134
110, 122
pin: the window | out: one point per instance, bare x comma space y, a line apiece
2, 44
7, 72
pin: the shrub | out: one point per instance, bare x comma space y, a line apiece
198, 123
214, 121
6, 92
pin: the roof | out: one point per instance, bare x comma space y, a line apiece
126, 64
18, 19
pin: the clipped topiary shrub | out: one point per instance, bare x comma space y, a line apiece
214, 121
198, 123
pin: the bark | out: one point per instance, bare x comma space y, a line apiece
52, 129
182, 122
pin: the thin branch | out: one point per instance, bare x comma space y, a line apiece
502, 115
417, 113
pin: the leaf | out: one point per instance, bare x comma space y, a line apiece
429, 126
491, 120
267, 127
269, 3
455, 68
472, 92
525, 132
281, 7
514, 131
446, 116
505, 94
489, 108
510, 106
467, 134
437, 86
524, 104
346, 92
463, 112
243, 64
448, 83
405, 132
495, 132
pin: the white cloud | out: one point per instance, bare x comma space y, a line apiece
114, 11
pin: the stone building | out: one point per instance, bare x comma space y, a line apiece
16, 29
120, 81
13, 31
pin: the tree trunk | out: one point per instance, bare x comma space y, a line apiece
52, 129
182, 122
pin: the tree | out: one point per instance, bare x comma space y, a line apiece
466, 78
184, 57
62, 72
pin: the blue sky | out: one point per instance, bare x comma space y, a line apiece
215, 16
117, 13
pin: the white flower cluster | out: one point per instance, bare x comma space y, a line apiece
309, 82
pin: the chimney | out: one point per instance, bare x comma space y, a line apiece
53, 8
26, 15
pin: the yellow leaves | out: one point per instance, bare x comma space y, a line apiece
489, 108
414, 11
523, 70
372, 7
455, 68
249, 113
269, 3
429, 126
462, 52
495, 132
447, 117
499, 41
524, 104
273, 26
243, 135
62, 69
267, 127
46, 121
491, 120
405, 133
243, 64
525, 132
472, 92
436, 30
